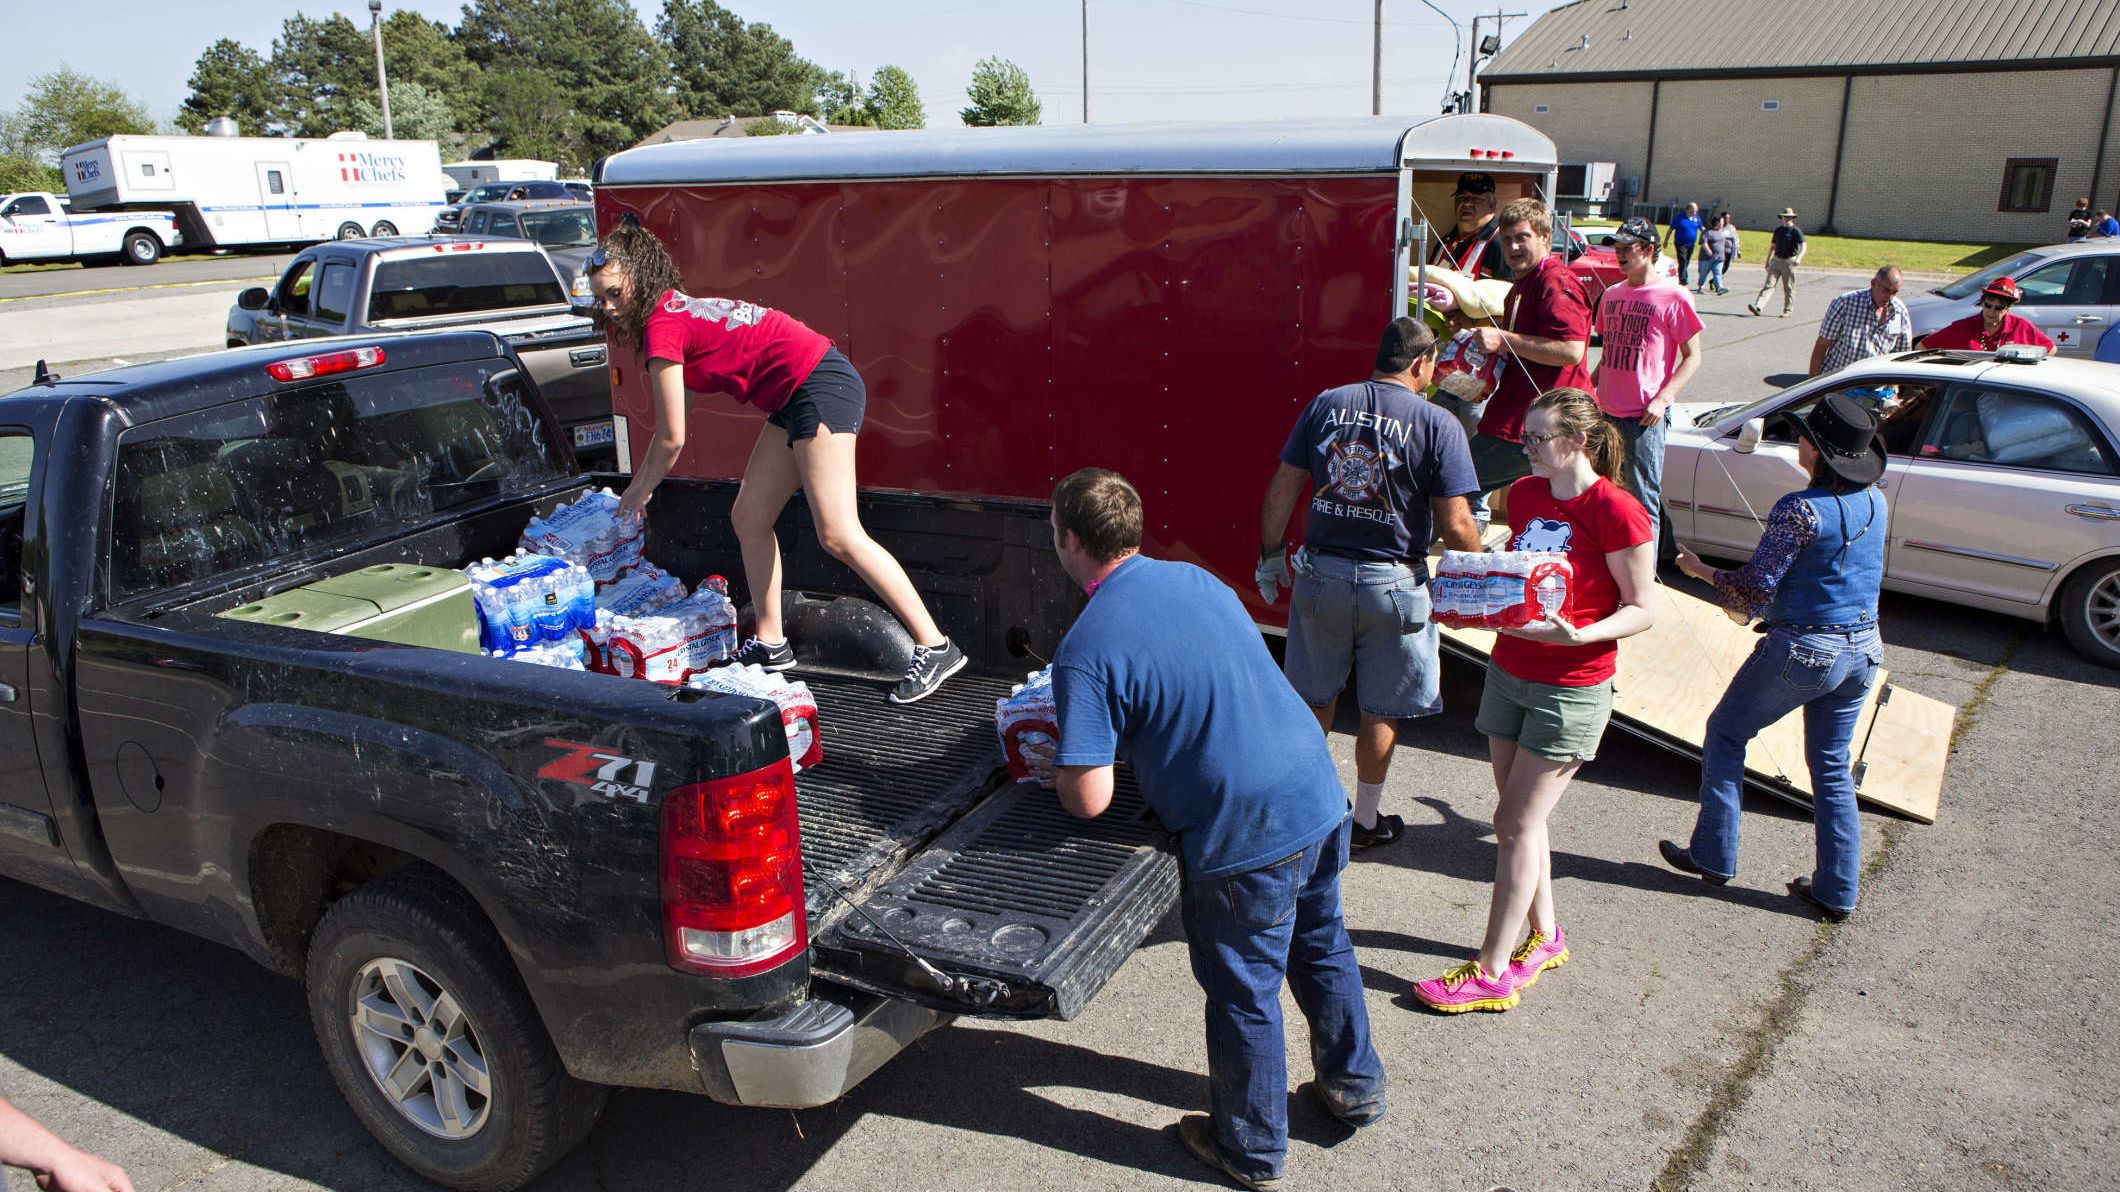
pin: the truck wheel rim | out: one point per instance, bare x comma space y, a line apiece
420, 1048
2101, 610
139, 251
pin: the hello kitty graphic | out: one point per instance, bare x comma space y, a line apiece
728, 312
1544, 534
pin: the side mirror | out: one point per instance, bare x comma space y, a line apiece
253, 298
1749, 435
1605, 242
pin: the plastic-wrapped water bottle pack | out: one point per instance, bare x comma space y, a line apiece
588, 533
528, 600
798, 708
670, 644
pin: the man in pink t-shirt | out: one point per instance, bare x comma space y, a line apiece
1651, 337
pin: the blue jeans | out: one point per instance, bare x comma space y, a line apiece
1828, 675
1247, 932
1369, 618
1645, 464
1711, 272
1468, 416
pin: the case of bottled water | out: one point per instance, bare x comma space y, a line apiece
640, 591
798, 708
672, 643
526, 600
588, 533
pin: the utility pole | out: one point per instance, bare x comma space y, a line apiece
1085, 61
382, 81
1376, 66
1483, 49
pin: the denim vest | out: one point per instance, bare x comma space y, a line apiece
1833, 582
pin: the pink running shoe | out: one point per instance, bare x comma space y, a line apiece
1467, 987
1535, 955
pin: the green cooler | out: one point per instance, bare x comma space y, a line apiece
390, 602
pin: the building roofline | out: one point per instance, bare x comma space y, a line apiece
1799, 72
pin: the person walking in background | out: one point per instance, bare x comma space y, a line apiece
1715, 250
1545, 342
2079, 220
1651, 338
1164, 668
25, 1143
1814, 580
2106, 225
1732, 249
1993, 327
1783, 256
1384, 469
1859, 324
1682, 236
1549, 684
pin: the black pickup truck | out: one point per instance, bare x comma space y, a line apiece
505, 886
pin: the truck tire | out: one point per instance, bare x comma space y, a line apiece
385, 228
2090, 611
141, 248
432, 1040
350, 231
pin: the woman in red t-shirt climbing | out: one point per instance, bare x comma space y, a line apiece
1549, 684
814, 401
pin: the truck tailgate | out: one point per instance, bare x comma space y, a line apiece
1026, 909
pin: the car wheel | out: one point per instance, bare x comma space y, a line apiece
350, 231
385, 228
141, 248
2090, 612
427, 1031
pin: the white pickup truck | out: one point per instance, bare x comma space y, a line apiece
39, 226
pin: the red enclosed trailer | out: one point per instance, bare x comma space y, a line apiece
1156, 299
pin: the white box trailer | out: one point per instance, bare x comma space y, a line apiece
507, 169
229, 191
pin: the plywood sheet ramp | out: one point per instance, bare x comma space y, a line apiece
1671, 678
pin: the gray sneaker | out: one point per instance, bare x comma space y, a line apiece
931, 665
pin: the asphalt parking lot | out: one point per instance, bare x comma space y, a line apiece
1957, 1033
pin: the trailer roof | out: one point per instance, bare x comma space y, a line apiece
1359, 145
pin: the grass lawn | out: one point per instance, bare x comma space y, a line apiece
1914, 256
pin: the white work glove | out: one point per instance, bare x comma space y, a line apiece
1272, 573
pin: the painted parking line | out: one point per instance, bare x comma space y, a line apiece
160, 285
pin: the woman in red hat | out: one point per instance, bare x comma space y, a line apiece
1993, 327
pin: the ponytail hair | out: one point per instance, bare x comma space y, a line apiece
650, 272
1575, 412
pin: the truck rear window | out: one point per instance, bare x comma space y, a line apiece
461, 283
318, 468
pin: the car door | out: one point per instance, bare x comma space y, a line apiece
332, 296
292, 315
2068, 300
30, 229
30, 847
2007, 488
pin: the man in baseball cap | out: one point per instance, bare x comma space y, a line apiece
1472, 248
1993, 327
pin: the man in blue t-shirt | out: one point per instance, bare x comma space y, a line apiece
1384, 469
1682, 235
1165, 669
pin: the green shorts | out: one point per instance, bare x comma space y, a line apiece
1561, 724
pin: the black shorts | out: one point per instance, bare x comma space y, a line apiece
832, 395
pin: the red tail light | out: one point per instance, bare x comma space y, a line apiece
732, 874
302, 368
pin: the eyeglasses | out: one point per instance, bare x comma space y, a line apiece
1994, 304
598, 258
1535, 440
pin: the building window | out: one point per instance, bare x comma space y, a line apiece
1542, 108
2027, 184
1770, 105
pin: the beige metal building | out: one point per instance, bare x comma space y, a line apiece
1974, 120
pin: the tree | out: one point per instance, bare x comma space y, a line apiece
840, 100
320, 68
229, 79
1001, 94
720, 66
894, 101
21, 167
64, 107
528, 115
597, 56
416, 114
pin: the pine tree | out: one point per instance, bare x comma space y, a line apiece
319, 68
1001, 94
599, 59
721, 66
229, 79
894, 100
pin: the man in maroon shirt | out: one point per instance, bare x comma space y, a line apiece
1543, 341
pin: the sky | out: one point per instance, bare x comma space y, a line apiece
1148, 59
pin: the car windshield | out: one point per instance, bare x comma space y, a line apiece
1971, 283
560, 229
489, 193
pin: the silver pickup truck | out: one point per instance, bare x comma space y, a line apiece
454, 283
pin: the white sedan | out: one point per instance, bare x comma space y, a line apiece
2003, 479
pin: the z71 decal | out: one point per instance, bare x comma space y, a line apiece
608, 774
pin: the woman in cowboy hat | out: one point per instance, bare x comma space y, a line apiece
1993, 327
1814, 581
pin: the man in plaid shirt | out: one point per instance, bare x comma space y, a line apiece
1863, 323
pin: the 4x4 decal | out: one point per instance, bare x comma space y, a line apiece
608, 774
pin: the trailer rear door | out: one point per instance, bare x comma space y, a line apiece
276, 200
